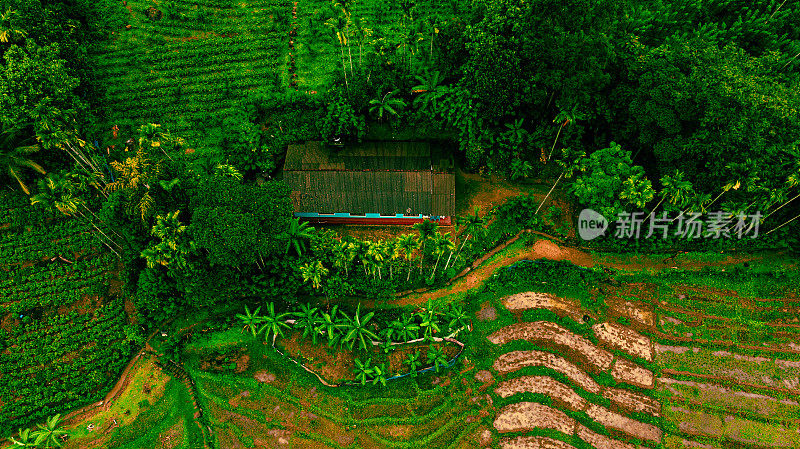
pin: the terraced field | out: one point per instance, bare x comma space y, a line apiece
559, 388
63, 338
192, 63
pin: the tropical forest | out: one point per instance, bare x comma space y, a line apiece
516, 224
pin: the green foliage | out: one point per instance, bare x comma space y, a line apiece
32, 78
342, 121
611, 181
238, 224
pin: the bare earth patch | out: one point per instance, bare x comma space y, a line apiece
487, 313
534, 300
633, 310
542, 385
617, 336
524, 416
533, 443
618, 422
548, 332
633, 374
600, 441
632, 401
516, 360
264, 376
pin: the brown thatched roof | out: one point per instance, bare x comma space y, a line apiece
380, 177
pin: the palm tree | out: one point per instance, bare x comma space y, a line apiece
436, 357
374, 257
61, 193
675, 189
9, 34
387, 105
308, 320
338, 24
792, 181
426, 229
135, 176
363, 370
408, 244
314, 272
250, 320
361, 33
15, 150
296, 236
273, 323
471, 225
565, 118
412, 360
49, 433
573, 161
343, 255
357, 331
441, 244
390, 251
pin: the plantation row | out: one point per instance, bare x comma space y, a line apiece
57, 365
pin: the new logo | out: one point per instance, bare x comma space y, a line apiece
591, 224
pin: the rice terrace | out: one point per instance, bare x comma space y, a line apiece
514, 224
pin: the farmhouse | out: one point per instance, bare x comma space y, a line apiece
371, 182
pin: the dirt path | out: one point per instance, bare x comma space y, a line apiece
546, 249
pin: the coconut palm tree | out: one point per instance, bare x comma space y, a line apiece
426, 229
338, 24
296, 236
408, 244
343, 256
49, 432
386, 105
573, 161
413, 362
15, 151
363, 370
314, 272
308, 320
442, 243
436, 357
470, 225
356, 330
273, 323
250, 320
565, 118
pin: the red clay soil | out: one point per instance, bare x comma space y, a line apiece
546, 249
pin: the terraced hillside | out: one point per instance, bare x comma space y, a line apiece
63, 337
568, 385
